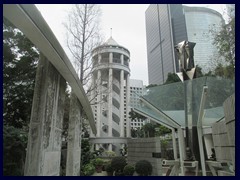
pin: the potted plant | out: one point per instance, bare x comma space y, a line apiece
118, 163
98, 164
109, 169
88, 169
143, 168
128, 170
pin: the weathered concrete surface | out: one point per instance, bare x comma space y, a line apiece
44, 140
74, 138
229, 111
143, 149
224, 133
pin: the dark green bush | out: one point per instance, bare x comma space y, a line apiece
14, 150
108, 167
128, 170
118, 163
143, 168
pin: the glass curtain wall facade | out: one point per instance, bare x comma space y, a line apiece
165, 27
199, 21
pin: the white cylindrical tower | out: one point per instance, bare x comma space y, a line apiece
110, 82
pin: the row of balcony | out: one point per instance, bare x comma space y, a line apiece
106, 61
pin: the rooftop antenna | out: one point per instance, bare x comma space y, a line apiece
110, 32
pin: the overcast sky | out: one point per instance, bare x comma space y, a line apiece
128, 29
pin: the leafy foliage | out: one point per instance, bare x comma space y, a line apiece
118, 163
86, 154
14, 145
20, 59
128, 170
172, 77
88, 169
108, 167
133, 115
143, 168
224, 40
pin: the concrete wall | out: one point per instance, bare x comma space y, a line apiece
229, 111
142, 149
224, 133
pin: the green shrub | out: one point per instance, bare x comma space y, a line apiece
98, 162
118, 163
88, 169
128, 170
14, 150
108, 167
143, 168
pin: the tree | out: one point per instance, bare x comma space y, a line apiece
224, 40
161, 130
133, 115
20, 59
83, 36
149, 129
172, 77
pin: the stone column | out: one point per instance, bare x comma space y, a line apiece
127, 106
122, 103
110, 147
99, 98
45, 131
122, 59
99, 58
174, 144
182, 149
110, 57
110, 79
74, 138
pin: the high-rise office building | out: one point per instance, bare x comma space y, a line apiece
199, 20
136, 90
169, 24
165, 25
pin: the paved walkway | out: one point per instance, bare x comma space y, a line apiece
103, 173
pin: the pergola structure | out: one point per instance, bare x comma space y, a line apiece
165, 105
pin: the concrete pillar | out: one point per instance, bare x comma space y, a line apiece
122, 103
97, 146
74, 138
110, 80
174, 144
127, 106
122, 59
110, 147
99, 98
45, 131
110, 58
182, 150
99, 58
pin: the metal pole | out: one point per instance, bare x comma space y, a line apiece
186, 113
199, 129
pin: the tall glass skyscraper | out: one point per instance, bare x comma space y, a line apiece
199, 20
165, 26
169, 24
